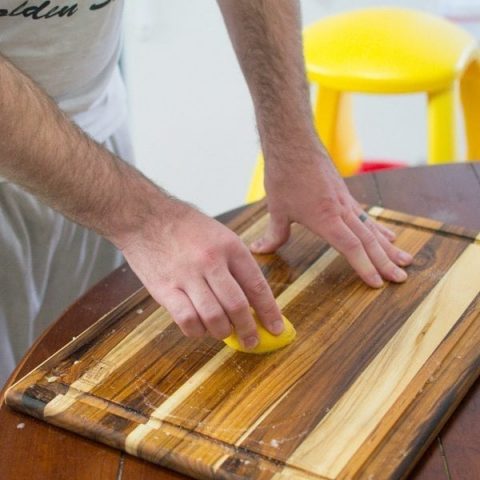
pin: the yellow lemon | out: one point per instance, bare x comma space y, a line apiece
267, 341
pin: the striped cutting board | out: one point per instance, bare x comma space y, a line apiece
369, 381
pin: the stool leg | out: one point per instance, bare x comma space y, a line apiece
256, 190
470, 96
441, 126
325, 115
334, 123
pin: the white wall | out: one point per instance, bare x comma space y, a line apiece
192, 117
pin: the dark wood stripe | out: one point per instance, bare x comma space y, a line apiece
285, 266
158, 371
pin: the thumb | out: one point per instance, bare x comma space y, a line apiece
278, 232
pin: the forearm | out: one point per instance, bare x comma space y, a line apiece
191, 264
266, 35
44, 152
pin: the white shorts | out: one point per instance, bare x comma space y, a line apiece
46, 262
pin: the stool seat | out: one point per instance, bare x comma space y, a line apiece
386, 50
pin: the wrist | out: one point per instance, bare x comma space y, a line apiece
143, 206
300, 151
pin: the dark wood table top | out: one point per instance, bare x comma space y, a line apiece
31, 449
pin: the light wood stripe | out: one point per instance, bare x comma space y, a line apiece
375, 211
445, 357
154, 324
332, 443
403, 218
306, 278
289, 473
133, 440
429, 224
255, 230
261, 418
252, 427
140, 432
182, 393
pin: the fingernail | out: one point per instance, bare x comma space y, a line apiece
277, 327
227, 333
377, 280
399, 274
256, 244
250, 342
405, 257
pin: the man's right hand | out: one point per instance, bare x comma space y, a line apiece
202, 273
194, 266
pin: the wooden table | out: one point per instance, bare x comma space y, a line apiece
33, 449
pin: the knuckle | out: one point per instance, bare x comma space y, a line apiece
212, 315
258, 286
350, 243
384, 263
237, 305
334, 230
390, 251
197, 332
230, 241
222, 333
219, 328
185, 319
369, 240
329, 207
240, 251
209, 257
270, 310
246, 331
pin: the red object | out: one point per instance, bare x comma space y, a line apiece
373, 165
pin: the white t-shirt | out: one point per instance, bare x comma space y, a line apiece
71, 49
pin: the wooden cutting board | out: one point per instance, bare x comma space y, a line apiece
370, 380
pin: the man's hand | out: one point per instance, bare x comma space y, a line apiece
202, 273
301, 183
312, 193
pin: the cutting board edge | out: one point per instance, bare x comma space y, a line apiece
77, 426
76, 342
399, 218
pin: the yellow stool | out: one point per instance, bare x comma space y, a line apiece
389, 50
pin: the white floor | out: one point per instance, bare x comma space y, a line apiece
192, 117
